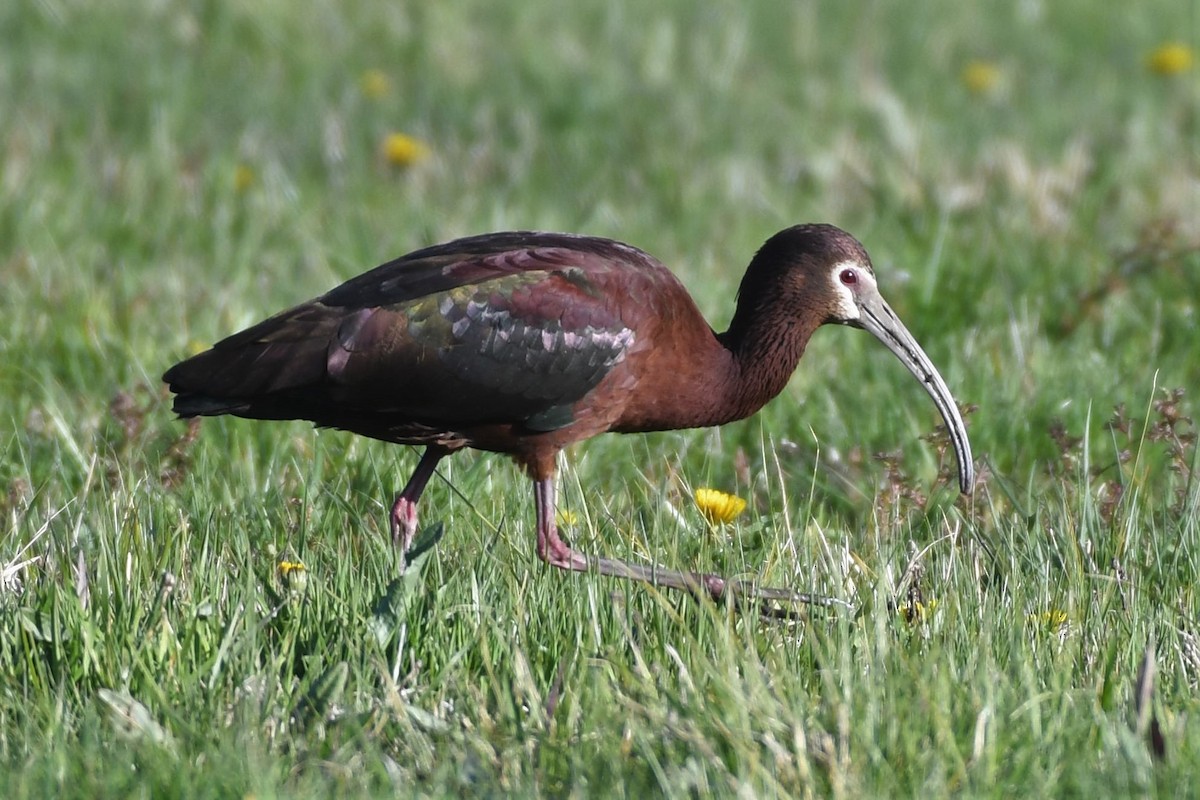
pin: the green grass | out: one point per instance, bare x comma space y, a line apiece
1041, 240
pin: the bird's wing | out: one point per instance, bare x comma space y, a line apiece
479, 258
518, 348
502, 328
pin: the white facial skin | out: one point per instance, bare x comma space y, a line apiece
849, 278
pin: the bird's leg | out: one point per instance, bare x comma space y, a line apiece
554, 551
404, 510
550, 547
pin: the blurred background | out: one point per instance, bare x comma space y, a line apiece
1026, 179
1026, 176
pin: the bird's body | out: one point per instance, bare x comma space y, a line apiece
522, 343
514, 343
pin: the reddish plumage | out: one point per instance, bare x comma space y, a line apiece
522, 343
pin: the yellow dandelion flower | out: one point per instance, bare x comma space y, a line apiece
566, 518
1170, 58
294, 576
402, 150
243, 178
1053, 619
374, 83
717, 506
918, 612
980, 77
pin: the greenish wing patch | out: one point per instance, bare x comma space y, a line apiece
508, 337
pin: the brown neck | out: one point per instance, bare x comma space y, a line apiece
726, 376
763, 354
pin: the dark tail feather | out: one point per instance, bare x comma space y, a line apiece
260, 381
251, 372
199, 405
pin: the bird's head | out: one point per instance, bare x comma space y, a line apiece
819, 274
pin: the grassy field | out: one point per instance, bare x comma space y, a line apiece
1027, 180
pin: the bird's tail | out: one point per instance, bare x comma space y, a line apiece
257, 372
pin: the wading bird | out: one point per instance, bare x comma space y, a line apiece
523, 343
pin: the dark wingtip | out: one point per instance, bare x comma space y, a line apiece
183, 376
189, 404
185, 380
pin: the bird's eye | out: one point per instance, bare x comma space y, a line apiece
849, 277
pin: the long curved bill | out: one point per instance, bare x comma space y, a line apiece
878, 318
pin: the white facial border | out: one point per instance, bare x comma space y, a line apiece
846, 308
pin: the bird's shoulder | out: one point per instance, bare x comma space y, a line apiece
508, 261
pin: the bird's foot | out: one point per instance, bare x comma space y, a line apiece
557, 553
771, 601
554, 551
738, 593
404, 526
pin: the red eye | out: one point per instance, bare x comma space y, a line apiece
848, 277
